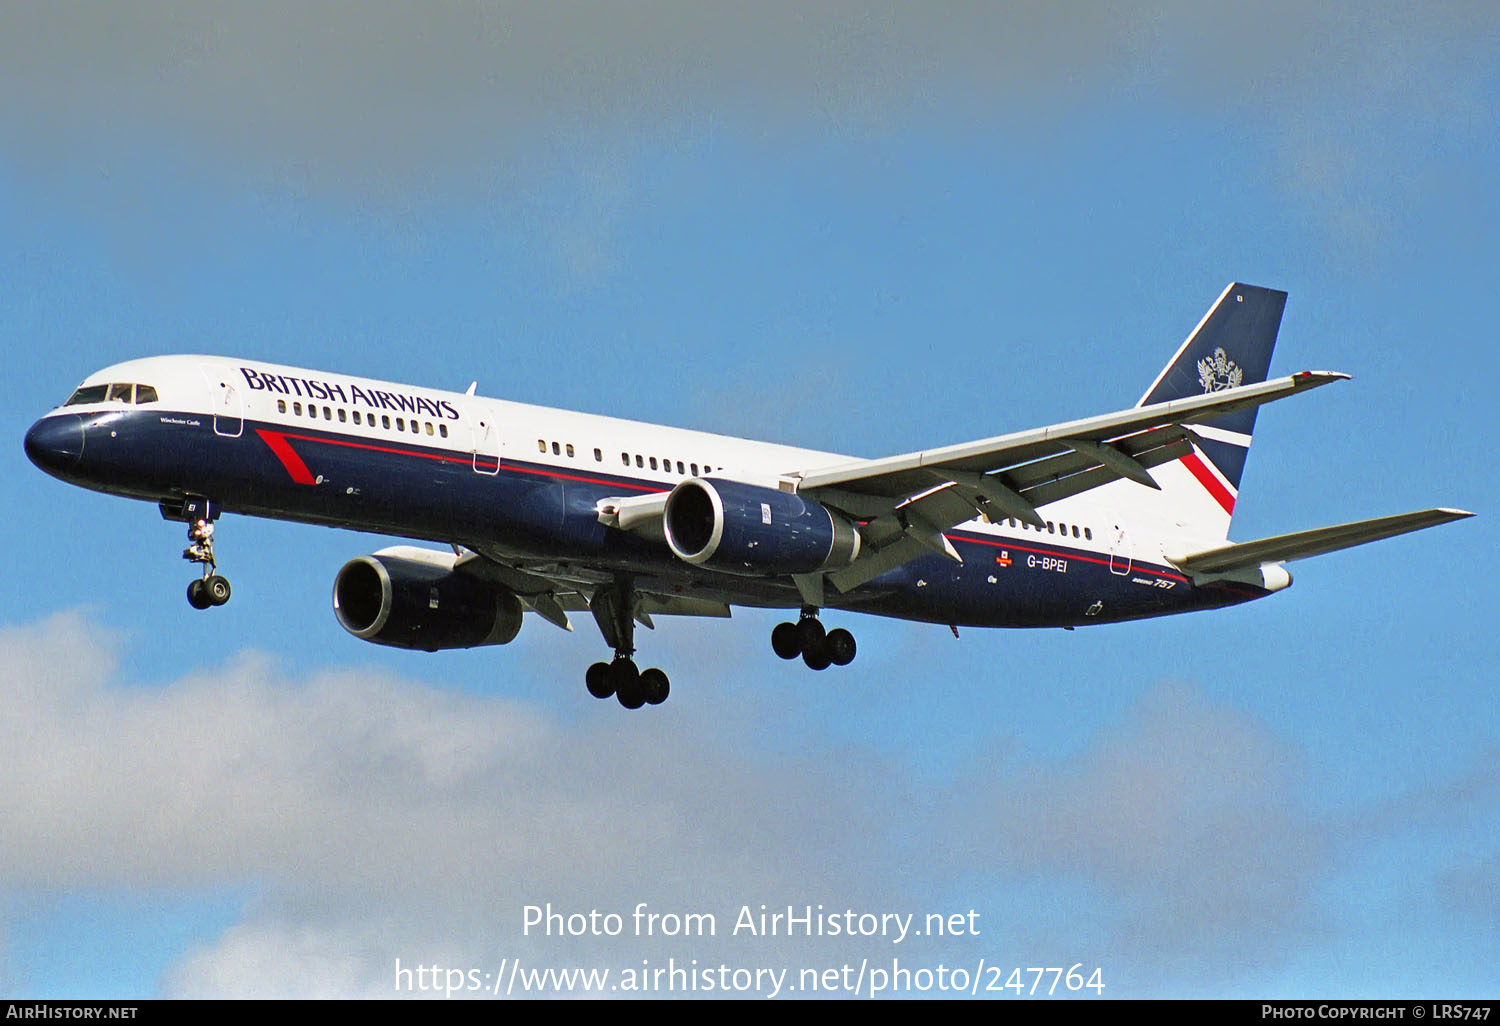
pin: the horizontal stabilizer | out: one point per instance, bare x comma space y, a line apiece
1286, 547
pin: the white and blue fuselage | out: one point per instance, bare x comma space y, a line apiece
524, 483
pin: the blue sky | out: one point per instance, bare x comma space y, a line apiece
864, 231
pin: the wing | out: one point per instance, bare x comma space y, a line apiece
551, 598
906, 502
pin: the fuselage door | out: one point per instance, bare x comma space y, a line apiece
486, 442
228, 403
1119, 553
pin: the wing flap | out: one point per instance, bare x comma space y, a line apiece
868, 567
1073, 472
1302, 544
682, 605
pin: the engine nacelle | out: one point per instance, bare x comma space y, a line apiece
744, 529
410, 603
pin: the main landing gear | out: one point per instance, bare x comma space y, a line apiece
211, 589
615, 609
818, 648
632, 687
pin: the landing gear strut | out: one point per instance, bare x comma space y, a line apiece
616, 609
211, 589
818, 648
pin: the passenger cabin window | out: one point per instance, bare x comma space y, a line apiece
570, 450
598, 456
443, 430
556, 449
281, 406
653, 463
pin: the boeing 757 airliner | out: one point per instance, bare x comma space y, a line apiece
1108, 518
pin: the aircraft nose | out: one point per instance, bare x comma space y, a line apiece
56, 443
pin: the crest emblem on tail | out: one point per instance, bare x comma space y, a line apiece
1219, 372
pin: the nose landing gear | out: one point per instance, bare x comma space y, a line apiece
212, 589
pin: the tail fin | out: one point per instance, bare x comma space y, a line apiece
1230, 346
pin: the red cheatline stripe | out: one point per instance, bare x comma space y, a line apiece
289, 459
1207, 480
546, 472
1136, 567
293, 463
442, 457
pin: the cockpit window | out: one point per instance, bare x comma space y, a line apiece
84, 396
120, 392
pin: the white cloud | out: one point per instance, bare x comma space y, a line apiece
1184, 821
376, 818
380, 816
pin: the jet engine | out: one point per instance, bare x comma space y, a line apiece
421, 604
745, 529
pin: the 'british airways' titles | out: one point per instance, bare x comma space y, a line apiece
374, 398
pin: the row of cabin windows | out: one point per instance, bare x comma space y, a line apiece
364, 419
666, 464
120, 393
1052, 528
641, 462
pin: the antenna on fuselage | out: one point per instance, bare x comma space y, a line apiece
472, 385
